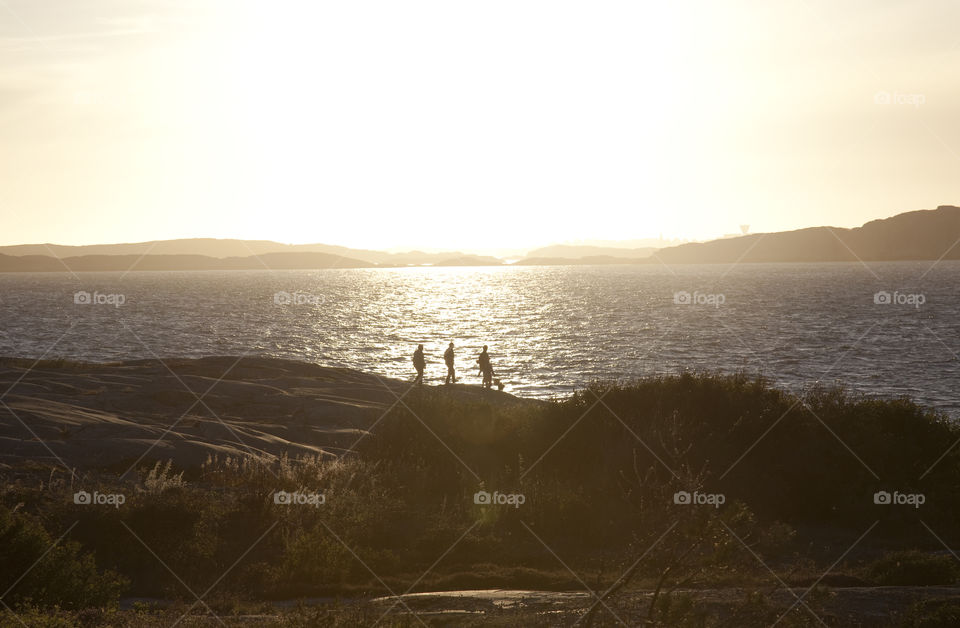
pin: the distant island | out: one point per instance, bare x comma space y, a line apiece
917, 235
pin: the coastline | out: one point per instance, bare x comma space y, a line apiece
106, 415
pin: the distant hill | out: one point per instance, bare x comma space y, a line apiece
88, 263
471, 260
209, 247
917, 235
580, 261
576, 252
224, 248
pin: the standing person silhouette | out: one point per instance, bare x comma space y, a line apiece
419, 363
483, 361
448, 358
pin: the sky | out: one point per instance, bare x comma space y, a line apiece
470, 125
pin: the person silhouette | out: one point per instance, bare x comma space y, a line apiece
448, 358
419, 363
486, 369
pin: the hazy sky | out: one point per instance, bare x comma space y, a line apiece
470, 124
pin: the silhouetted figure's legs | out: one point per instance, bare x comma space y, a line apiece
448, 358
419, 363
483, 361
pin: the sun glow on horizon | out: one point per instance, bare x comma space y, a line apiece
455, 126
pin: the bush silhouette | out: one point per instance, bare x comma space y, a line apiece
38, 570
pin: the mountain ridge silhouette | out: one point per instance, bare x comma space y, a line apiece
927, 234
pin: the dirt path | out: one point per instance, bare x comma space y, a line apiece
864, 607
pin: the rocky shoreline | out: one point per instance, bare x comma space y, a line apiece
107, 416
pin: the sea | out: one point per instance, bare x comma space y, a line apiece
888, 329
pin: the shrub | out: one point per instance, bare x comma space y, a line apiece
933, 614
39, 569
914, 568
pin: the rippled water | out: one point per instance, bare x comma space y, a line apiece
549, 329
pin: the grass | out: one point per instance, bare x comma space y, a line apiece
598, 480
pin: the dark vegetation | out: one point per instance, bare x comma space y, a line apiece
598, 472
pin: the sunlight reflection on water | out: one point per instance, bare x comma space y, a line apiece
550, 329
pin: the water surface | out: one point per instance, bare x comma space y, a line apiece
549, 329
